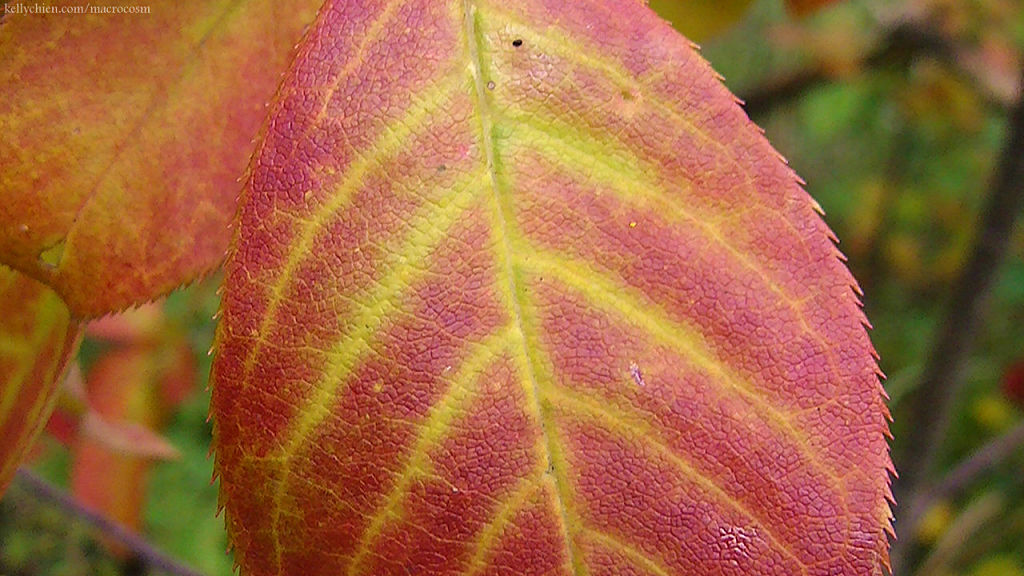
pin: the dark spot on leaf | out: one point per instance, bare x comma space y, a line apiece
517, 42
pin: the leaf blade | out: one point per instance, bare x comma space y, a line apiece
118, 169
491, 285
37, 339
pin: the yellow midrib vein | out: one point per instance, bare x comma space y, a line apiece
502, 218
584, 55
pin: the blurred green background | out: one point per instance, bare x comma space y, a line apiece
894, 112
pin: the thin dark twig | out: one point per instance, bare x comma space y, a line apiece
984, 459
967, 472
933, 402
145, 551
899, 45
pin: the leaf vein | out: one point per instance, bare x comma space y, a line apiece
432, 431
638, 557
391, 140
609, 295
633, 183
585, 56
427, 230
504, 218
573, 403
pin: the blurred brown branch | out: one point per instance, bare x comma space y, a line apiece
966, 473
143, 550
976, 516
902, 43
932, 403
984, 459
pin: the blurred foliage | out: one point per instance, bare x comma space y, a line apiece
180, 512
897, 145
700, 19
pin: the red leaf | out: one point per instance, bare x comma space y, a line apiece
162, 339
142, 326
518, 289
805, 7
131, 391
1013, 383
121, 389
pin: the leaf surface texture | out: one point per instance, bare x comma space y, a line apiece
124, 136
517, 288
